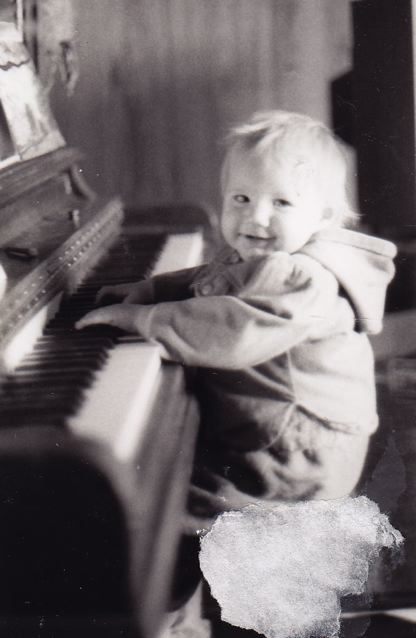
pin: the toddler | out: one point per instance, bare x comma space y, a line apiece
276, 325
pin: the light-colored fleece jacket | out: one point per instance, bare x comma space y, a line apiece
278, 333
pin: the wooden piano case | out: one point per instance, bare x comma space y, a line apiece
87, 542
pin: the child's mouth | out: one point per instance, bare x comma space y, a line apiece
257, 238
257, 245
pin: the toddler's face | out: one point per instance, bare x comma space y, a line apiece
269, 206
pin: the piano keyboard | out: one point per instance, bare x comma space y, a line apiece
98, 382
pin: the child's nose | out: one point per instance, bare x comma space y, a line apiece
262, 212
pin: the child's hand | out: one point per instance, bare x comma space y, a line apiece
113, 293
124, 316
141, 293
137, 292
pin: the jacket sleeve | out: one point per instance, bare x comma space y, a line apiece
275, 309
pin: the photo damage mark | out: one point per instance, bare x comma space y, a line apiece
282, 569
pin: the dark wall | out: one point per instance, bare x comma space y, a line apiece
161, 81
385, 121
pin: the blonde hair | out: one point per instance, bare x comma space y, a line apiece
307, 142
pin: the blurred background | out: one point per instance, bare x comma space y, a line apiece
160, 82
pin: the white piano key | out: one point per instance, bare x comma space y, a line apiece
180, 251
25, 340
116, 407
114, 410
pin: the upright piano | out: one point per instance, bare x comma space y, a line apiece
97, 433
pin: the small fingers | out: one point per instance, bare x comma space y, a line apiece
109, 293
120, 315
95, 317
102, 293
134, 297
139, 295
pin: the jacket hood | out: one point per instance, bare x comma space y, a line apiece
363, 266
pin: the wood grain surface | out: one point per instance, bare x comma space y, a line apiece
162, 80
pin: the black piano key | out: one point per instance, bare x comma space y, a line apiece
64, 404
32, 402
90, 331
42, 417
51, 366
63, 353
48, 377
50, 383
14, 388
67, 356
74, 341
34, 420
73, 314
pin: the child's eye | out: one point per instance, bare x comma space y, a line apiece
281, 203
241, 199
